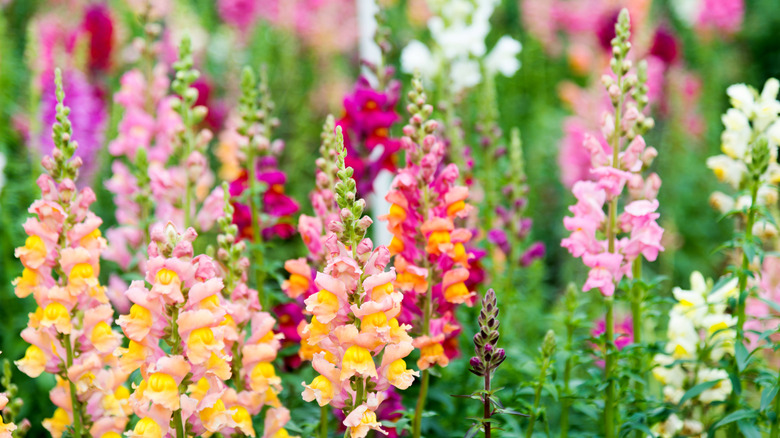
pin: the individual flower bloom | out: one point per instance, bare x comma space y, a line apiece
300, 280
503, 57
357, 360
535, 251
720, 391
455, 289
604, 272
431, 352
417, 57
320, 389
727, 169
683, 337
667, 372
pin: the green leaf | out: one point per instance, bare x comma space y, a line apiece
734, 416
742, 356
696, 390
748, 429
767, 395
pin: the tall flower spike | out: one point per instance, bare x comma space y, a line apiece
257, 188
353, 320
314, 231
70, 332
427, 206
488, 356
634, 233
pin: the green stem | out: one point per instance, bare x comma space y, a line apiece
257, 236
417, 423
637, 297
609, 402
237, 379
537, 398
743, 277
743, 292
486, 400
176, 349
566, 400
74, 401
178, 423
324, 421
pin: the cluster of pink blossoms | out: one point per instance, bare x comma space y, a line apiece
429, 248
636, 229
183, 309
353, 321
327, 25
153, 136
147, 183
70, 332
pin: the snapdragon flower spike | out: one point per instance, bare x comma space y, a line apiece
248, 335
354, 318
700, 333
753, 116
250, 160
488, 357
314, 231
147, 182
70, 332
185, 383
429, 247
512, 225
637, 232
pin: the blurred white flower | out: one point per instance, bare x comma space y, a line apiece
720, 391
727, 169
417, 57
503, 58
464, 73
458, 29
742, 98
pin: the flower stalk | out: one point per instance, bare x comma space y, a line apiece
548, 350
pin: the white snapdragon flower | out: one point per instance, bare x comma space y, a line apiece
669, 428
720, 391
464, 73
742, 98
417, 57
721, 202
729, 289
683, 337
503, 58
458, 30
727, 169
667, 374
736, 138
691, 303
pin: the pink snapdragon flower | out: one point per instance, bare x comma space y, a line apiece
354, 320
183, 308
70, 332
429, 246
